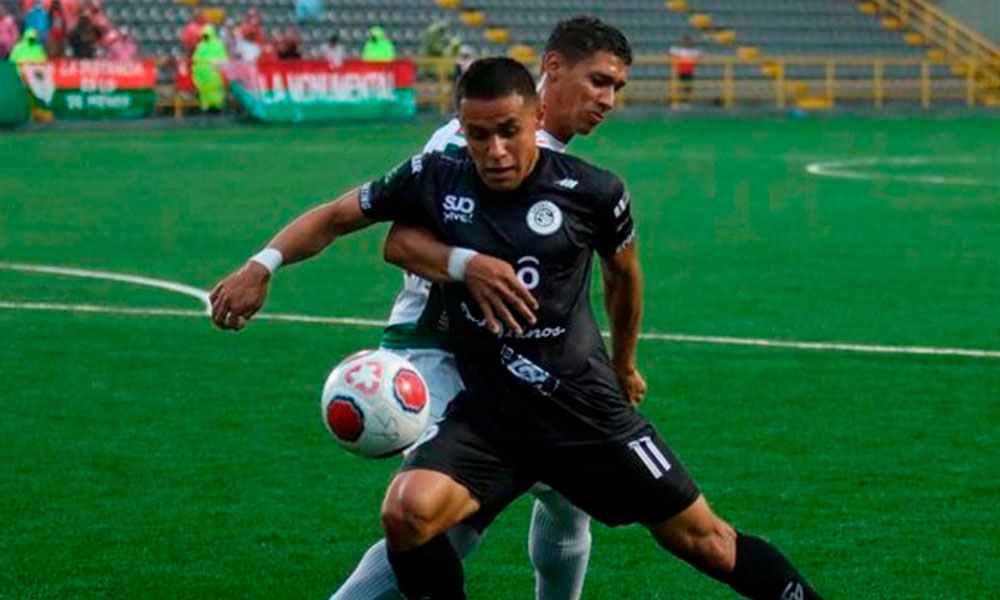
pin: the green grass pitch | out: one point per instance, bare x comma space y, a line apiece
152, 457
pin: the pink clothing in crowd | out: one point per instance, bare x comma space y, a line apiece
9, 34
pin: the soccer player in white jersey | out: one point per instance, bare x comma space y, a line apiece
585, 64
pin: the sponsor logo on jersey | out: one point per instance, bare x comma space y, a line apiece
538, 333
622, 205
568, 183
525, 370
458, 208
544, 217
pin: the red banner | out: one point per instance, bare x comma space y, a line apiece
93, 75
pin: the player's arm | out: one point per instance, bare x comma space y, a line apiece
492, 282
623, 303
241, 294
622, 286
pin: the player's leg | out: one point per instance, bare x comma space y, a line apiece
640, 480
559, 545
372, 578
447, 477
750, 565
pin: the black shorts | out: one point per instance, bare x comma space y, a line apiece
638, 480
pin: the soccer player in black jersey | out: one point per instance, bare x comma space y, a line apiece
543, 402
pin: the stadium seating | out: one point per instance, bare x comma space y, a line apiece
775, 26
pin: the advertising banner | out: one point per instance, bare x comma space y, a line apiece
13, 98
315, 90
93, 89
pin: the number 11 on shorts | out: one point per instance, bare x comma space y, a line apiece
650, 455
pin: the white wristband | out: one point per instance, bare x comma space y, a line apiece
270, 258
457, 261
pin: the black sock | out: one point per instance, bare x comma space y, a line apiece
763, 573
432, 571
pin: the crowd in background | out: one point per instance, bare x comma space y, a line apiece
49, 29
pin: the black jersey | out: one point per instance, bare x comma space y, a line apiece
553, 383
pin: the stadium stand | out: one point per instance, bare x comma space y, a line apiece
756, 30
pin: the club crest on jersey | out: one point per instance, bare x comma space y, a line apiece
544, 217
458, 208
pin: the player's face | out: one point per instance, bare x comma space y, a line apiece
500, 137
586, 90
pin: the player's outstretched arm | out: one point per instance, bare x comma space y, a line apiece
623, 303
241, 294
492, 282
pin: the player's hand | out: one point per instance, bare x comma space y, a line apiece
633, 384
496, 288
239, 296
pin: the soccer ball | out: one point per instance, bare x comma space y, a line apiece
375, 403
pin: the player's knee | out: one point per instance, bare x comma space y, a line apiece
409, 519
714, 551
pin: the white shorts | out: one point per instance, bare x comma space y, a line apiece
441, 374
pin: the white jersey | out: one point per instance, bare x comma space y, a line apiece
412, 300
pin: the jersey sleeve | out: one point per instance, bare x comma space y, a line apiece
616, 229
394, 196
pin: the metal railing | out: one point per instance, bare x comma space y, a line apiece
814, 82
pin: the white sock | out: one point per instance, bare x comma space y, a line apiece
559, 546
373, 578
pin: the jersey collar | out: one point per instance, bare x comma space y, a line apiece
547, 140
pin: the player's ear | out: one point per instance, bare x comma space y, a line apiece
552, 64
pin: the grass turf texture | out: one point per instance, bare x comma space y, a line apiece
154, 457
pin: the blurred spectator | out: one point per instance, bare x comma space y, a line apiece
333, 51
9, 33
435, 41
191, 34
209, 52
84, 38
227, 33
247, 48
93, 9
685, 57
288, 46
120, 45
306, 10
251, 29
58, 30
38, 19
466, 56
378, 47
29, 49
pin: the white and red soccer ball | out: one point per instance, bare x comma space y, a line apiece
375, 403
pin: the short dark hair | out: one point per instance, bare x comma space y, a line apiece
581, 37
495, 77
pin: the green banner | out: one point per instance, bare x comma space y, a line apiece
13, 97
93, 89
120, 104
314, 90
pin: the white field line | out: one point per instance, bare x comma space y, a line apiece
202, 295
162, 284
859, 168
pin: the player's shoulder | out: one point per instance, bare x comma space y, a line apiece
578, 176
448, 138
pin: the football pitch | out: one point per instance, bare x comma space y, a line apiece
822, 348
